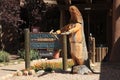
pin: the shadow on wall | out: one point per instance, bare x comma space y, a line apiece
111, 70
115, 55
117, 11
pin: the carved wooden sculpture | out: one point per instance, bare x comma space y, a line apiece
75, 30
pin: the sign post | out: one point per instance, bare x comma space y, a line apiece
27, 49
65, 52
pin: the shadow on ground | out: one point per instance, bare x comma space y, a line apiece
110, 71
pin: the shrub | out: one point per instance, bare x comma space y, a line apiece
4, 56
48, 69
34, 54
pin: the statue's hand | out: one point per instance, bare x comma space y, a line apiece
65, 33
51, 32
54, 33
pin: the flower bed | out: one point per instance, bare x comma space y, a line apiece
53, 64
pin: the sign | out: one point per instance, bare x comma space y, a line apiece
41, 40
45, 42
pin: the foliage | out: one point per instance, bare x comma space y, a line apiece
34, 54
48, 69
9, 12
4, 56
9, 21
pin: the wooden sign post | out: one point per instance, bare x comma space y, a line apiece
27, 49
65, 52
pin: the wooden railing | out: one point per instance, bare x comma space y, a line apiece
96, 54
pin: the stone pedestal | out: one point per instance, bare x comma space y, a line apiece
81, 69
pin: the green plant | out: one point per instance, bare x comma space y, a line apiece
48, 69
4, 56
34, 54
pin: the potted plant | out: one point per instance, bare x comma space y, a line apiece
56, 54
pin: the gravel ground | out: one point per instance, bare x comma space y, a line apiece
108, 72
58, 76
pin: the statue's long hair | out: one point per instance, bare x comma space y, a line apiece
76, 15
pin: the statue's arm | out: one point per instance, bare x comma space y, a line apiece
76, 28
64, 29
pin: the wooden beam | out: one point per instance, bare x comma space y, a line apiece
92, 6
61, 2
64, 2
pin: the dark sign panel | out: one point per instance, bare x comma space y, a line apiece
45, 42
42, 45
42, 40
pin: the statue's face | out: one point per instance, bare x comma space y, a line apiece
75, 14
72, 10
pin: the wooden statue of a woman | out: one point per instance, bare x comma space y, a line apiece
77, 40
